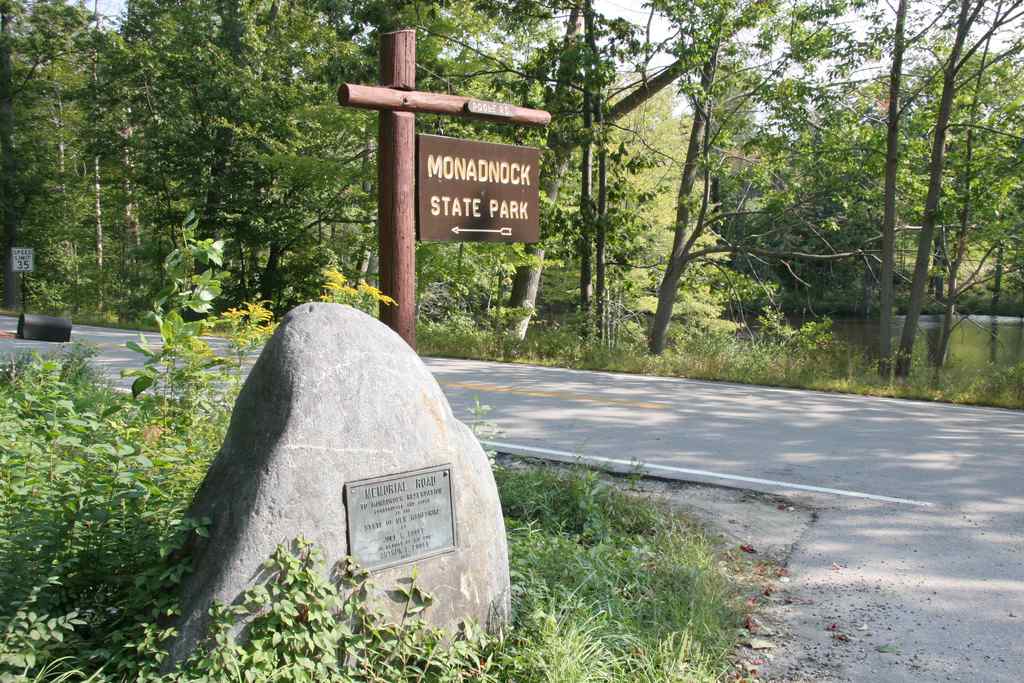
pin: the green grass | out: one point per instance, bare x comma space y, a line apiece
612, 587
93, 485
800, 362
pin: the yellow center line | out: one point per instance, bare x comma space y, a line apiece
564, 395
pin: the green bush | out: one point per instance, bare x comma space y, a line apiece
93, 486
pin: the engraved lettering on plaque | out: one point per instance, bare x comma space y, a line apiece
400, 518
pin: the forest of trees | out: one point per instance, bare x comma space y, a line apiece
705, 157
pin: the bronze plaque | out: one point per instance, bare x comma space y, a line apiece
476, 191
400, 518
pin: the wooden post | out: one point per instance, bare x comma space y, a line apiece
398, 102
396, 167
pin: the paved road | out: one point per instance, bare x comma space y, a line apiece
940, 575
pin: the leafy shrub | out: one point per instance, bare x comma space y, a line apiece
94, 486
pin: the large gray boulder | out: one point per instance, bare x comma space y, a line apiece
337, 397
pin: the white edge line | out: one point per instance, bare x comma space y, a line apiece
638, 465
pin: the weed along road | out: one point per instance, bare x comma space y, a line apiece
916, 553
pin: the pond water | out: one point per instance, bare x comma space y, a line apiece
977, 340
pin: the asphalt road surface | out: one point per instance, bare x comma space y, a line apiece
917, 551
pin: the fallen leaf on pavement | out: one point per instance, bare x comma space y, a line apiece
747, 548
888, 649
798, 601
760, 644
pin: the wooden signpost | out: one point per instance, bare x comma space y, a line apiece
497, 200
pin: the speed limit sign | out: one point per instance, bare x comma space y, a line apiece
23, 259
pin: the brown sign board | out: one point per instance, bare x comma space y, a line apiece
471, 191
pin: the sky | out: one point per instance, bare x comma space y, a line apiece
634, 12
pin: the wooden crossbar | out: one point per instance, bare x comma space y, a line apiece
417, 102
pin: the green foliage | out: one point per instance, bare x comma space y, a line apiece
302, 626
93, 486
28, 638
182, 363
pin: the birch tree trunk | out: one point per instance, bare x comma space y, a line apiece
131, 219
96, 182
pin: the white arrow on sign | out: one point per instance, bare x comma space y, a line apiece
504, 232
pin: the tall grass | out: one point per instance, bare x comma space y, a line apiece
608, 587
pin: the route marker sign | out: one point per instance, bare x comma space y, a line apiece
398, 102
22, 259
473, 191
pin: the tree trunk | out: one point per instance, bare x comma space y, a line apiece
942, 350
867, 291
269, 282
597, 104
997, 281
131, 219
952, 281
954, 289
681, 242
12, 282
526, 283
98, 216
586, 173
602, 229
931, 205
621, 108
892, 156
583, 248
525, 286
941, 263
232, 30
62, 188
97, 186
